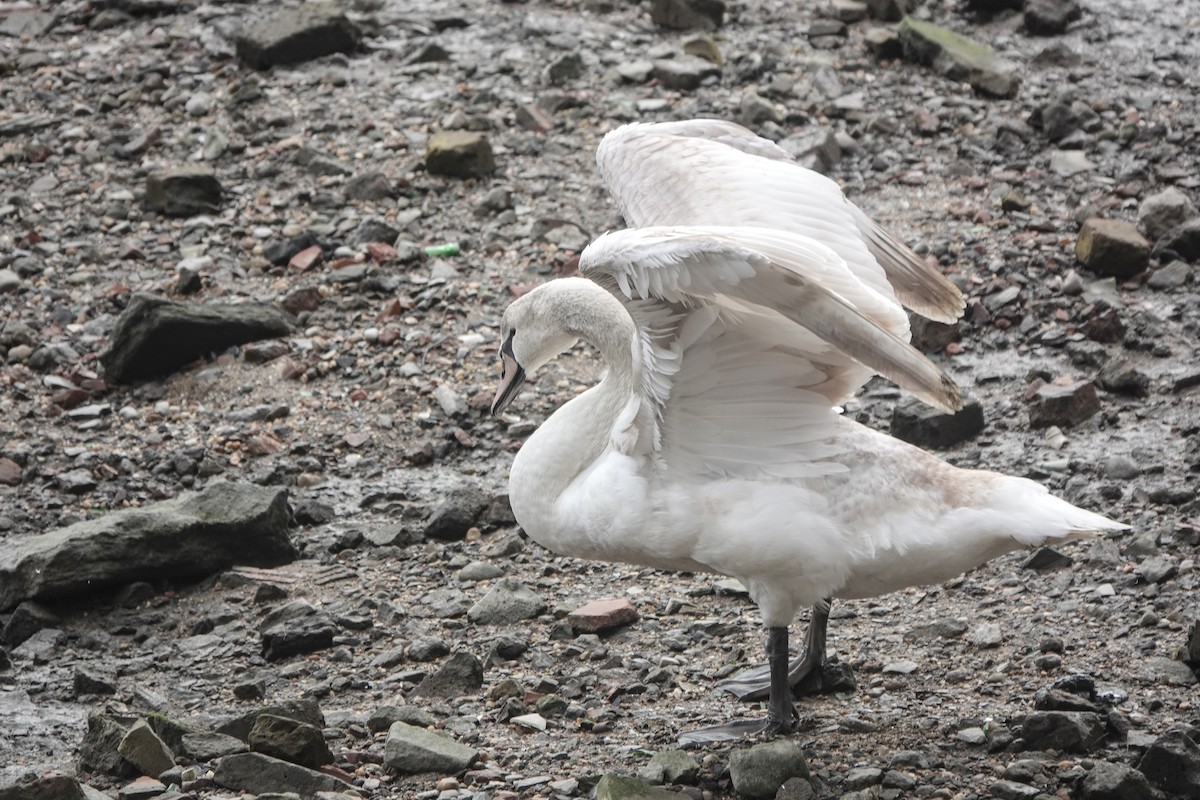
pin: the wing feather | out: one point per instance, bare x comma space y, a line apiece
709, 172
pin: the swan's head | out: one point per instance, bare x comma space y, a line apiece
547, 322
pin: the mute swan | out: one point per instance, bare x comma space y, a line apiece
714, 442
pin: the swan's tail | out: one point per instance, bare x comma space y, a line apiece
1041, 518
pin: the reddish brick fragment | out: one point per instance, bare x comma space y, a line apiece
602, 615
306, 259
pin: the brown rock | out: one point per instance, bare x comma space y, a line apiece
602, 615
1063, 406
460, 154
1112, 247
10, 472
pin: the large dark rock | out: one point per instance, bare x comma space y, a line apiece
45, 787
1183, 240
183, 191
1063, 406
298, 34
1172, 764
155, 337
458, 511
1112, 247
191, 536
1072, 731
917, 423
291, 740
1108, 781
257, 774
98, 750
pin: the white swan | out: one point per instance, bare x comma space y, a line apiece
714, 442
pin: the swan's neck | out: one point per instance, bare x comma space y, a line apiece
573, 437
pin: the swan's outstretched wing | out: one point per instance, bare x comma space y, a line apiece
710, 172
749, 338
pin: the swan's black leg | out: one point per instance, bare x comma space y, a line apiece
781, 714
809, 673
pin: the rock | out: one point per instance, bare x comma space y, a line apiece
1063, 406
304, 710
688, 14
9, 281
291, 740
1050, 17
459, 154
957, 57
27, 619
98, 750
205, 746
685, 73
371, 186
602, 615
850, 10
1112, 247
1119, 375
1067, 163
457, 513
938, 629
90, 680
5, 661
1167, 671
757, 110
141, 747
184, 191
296, 628
627, 787
295, 35
986, 635
671, 766
1161, 212
759, 771
817, 149
1047, 559
193, 535
1183, 240
257, 773
142, 788
1071, 731
916, 422
1107, 781
508, 602
48, 786
884, 44
462, 674
1191, 653
1172, 276
801, 789
155, 337
890, 10
411, 750
1172, 764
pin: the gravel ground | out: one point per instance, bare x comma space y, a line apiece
376, 409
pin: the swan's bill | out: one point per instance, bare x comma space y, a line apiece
511, 379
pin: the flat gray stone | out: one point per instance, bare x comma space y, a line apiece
688, 14
685, 73
289, 739
627, 787
205, 746
191, 536
508, 602
462, 674
411, 750
671, 766
303, 710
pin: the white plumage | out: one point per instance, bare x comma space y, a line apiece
749, 301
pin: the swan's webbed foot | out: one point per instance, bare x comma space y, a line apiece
809, 673
781, 714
